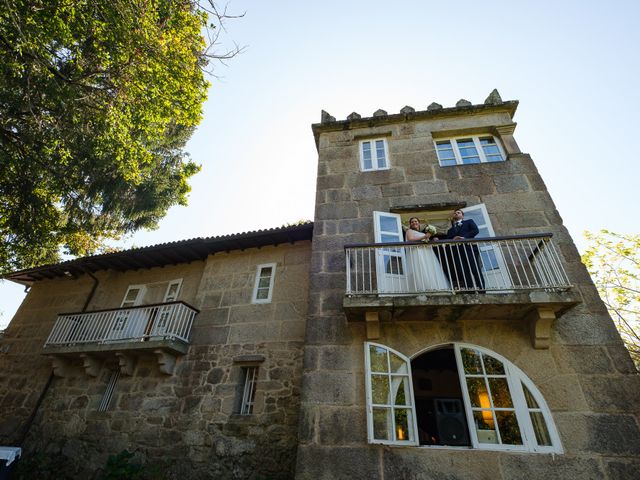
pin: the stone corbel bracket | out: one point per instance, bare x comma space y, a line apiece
60, 366
540, 321
127, 363
372, 320
166, 362
91, 365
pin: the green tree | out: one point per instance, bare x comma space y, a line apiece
97, 101
613, 260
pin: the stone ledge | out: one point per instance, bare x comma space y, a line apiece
538, 308
93, 356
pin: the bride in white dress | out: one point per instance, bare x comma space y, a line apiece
426, 272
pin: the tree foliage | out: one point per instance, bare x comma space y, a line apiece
613, 260
97, 101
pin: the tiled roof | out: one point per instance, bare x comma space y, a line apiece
170, 253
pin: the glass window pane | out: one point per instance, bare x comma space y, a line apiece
485, 426
444, 145
132, 295
393, 265
387, 237
366, 156
492, 366
509, 429
495, 158
262, 293
500, 393
447, 163
388, 224
400, 387
403, 420
380, 389
264, 282
531, 402
382, 423
378, 359
487, 141
471, 160
491, 149
398, 365
469, 152
478, 394
471, 361
489, 260
540, 429
465, 142
265, 272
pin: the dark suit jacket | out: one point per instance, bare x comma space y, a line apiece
468, 229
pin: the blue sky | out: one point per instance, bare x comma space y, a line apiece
574, 66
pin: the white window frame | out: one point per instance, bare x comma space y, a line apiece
259, 268
249, 383
412, 434
166, 297
394, 281
515, 379
107, 396
139, 296
476, 142
375, 161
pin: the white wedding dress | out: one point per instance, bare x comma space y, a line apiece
426, 273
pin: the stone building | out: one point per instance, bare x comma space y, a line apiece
336, 349
183, 353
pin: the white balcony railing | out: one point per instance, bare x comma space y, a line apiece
498, 265
134, 324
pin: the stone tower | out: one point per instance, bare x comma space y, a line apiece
519, 374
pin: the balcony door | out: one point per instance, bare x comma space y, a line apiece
391, 264
130, 323
493, 265
165, 313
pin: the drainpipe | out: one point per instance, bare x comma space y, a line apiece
93, 290
29, 422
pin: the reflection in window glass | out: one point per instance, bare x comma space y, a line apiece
373, 155
468, 150
391, 396
537, 418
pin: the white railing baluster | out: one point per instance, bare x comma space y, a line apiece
525, 262
133, 324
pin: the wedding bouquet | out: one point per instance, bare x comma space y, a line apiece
430, 229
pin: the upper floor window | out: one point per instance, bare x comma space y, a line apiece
374, 155
263, 287
469, 150
455, 395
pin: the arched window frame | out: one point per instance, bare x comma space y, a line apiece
515, 379
412, 438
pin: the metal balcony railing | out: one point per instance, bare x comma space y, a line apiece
494, 265
171, 321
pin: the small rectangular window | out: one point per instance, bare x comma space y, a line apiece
469, 150
373, 155
248, 389
263, 288
108, 393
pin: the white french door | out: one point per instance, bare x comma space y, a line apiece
391, 262
493, 265
130, 323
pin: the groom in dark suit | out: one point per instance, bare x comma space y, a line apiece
465, 269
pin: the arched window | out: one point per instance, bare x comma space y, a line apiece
465, 396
